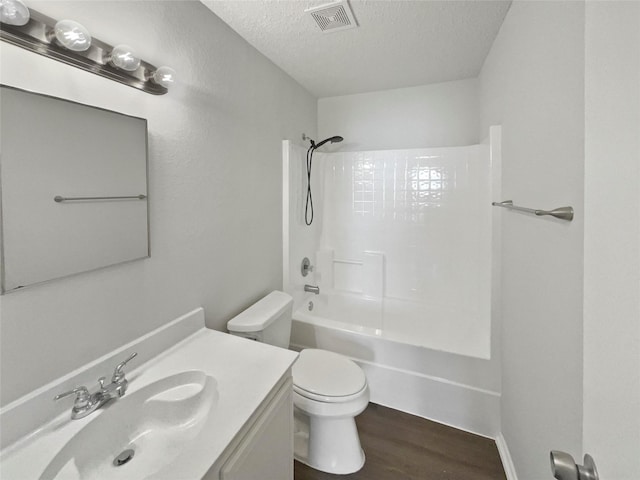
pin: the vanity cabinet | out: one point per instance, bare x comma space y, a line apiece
264, 448
209, 405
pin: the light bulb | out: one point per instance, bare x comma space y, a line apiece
164, 76
14, 12
122, 57
72, 35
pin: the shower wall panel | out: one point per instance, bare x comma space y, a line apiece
299, 240
426, 213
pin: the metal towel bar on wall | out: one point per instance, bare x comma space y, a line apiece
563, 213
59, 199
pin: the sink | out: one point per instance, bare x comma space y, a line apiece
184, 410
146, 430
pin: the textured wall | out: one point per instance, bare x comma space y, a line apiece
612, 239
533, 84
436, 115
215, 157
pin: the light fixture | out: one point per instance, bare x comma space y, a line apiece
123, 57
165, 76
69, 42
72, 35
14, 12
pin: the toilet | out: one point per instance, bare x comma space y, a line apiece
329, 390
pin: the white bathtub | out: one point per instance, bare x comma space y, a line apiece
452, 330
430, 362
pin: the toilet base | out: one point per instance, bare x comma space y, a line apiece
330, 445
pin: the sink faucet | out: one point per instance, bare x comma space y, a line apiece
312, 289
86, 403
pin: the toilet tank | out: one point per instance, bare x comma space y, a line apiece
268, 320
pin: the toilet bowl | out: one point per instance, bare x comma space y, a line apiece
329, 390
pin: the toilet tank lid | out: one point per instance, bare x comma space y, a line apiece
261, 314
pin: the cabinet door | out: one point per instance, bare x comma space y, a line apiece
266, 453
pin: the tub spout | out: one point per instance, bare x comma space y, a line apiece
312, 289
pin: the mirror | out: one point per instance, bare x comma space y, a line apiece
73, 182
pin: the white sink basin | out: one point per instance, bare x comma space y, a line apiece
155, 422
184, 408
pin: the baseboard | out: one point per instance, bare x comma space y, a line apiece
505, 457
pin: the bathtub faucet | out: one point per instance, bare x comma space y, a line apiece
312, 289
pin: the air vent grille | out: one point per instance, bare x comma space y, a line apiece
333, 17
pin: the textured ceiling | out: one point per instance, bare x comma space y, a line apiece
399, 43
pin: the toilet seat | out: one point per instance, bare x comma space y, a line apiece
326, 399
333, 410
327, 377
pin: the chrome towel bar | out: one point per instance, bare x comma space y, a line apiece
563, 213
59, 199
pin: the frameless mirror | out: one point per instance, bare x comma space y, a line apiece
73, 184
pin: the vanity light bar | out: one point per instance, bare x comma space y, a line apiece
38, 35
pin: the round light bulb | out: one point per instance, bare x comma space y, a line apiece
122, 57
14, 12
164, 76
72, 35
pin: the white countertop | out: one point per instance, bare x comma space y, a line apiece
245, 372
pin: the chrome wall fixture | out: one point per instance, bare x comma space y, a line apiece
69, 42
60, 199
306, 267
563, 213
563, 467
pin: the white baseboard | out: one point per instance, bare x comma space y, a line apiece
505, 457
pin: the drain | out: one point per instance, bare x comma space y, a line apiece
124, 457
310, 306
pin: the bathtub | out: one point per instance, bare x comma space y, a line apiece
428, 361
452, 330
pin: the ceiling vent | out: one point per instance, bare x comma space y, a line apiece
333, 17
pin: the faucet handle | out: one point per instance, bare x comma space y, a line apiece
118, 374
101, 381
82, 396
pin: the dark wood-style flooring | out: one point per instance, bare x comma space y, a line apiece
399, 446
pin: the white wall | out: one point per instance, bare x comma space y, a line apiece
612, 239
214, 190
533, 84
437, 115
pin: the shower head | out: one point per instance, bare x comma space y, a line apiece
335, 139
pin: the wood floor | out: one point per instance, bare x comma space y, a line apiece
399, 446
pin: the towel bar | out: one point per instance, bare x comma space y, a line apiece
59, 199
563, 213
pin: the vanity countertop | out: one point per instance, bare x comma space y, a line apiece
245, 373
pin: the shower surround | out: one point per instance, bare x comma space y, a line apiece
402, 248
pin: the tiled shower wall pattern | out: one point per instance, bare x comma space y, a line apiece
418, 219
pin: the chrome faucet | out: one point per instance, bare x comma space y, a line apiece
86, 403
312, 289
